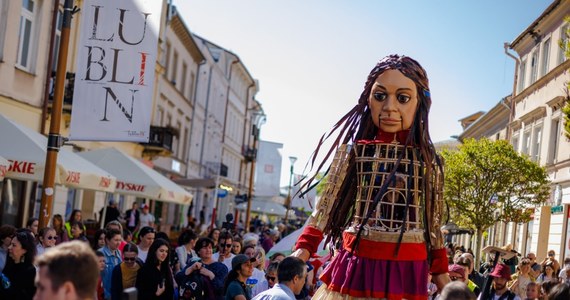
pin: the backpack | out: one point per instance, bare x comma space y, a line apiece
196, 287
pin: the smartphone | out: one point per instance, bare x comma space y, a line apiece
130, 294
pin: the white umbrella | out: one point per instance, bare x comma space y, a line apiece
136, 178
4, 165
286, 244
26, 151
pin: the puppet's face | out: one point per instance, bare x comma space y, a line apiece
393, 101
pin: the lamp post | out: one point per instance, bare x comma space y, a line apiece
292, 159
258, 119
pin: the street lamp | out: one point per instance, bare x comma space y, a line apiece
258, 118
292, 159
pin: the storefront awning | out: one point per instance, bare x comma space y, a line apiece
4, 165
136, 178
25, 149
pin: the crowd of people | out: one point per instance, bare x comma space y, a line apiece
516, 278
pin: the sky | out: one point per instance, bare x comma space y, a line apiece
311, 58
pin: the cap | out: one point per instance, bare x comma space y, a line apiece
239, 259
501, 271
144, 205
457, 271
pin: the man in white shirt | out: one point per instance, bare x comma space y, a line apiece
291, 275
224, 254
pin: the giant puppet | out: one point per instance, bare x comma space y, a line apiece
383, 200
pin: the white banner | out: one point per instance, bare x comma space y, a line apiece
116, 55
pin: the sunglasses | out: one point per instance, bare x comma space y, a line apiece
51, 237
228, 245
270, 278
129, 258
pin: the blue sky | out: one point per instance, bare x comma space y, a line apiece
312, 57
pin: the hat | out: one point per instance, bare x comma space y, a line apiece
501, 271
239, 259
456, 270
144, 205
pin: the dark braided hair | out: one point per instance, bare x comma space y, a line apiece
357, 124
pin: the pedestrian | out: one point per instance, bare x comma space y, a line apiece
154, 278
68, 272
146, 218
74, 217
501, 275
224, 254
551, 257
291, 275
59, 226
78, 232
269, 280
456, 290
7, 232
99, 239
560, 292
235, 287
146, 238
132, 217
112, 258
185, 251
125, 274
46, 240
521, 278
385, 203
211, 272
32, 225
20, 272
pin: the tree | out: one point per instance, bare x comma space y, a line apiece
488, 181
565, 44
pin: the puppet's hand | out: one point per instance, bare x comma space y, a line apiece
302, 254
440, 280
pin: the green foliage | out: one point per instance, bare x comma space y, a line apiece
482, 170
565, 44
322, 183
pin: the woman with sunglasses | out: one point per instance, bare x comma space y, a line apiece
20, 272
269, 280
47, 238
125, 274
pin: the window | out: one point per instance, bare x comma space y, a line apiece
554, 140
563, 44
515, 142
526, 142
183, 82
191, 89
57, 39
534, 66
166, 57
174, 68
159, 116
185, 144
25, 43
545, 58
536, 140
522, 71
3, 20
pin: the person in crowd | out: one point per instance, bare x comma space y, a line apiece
146, 238
185, 251
212, 272
560, 292
260, 262
535, 268
250, 238
501, 275
59, 226
234, 286
532, 291
125, 274
78, 232
224, 254
236, 245
214, 235
112, 258
258, 275
32, 226
172, 257
456, 274
101, 263
46, 239
551, 257
473, 274
269, 280
75, 216
98, 239
132, 218
7, 232
456, 290
20, 272
547, 274
111, 212
276, 257
69, 271
116, 225
291, 275
563, 274
154, 278
431, 288
127, 236
269, 238
146, 218
521, 278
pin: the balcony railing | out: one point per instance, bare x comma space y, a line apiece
249, 154
160, 141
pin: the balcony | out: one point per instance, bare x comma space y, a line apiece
68, 91
249, 154
160, 141
216, 168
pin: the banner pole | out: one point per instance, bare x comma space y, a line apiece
54, 138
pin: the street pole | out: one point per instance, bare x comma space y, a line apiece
250, 190
54, 138
292, 159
